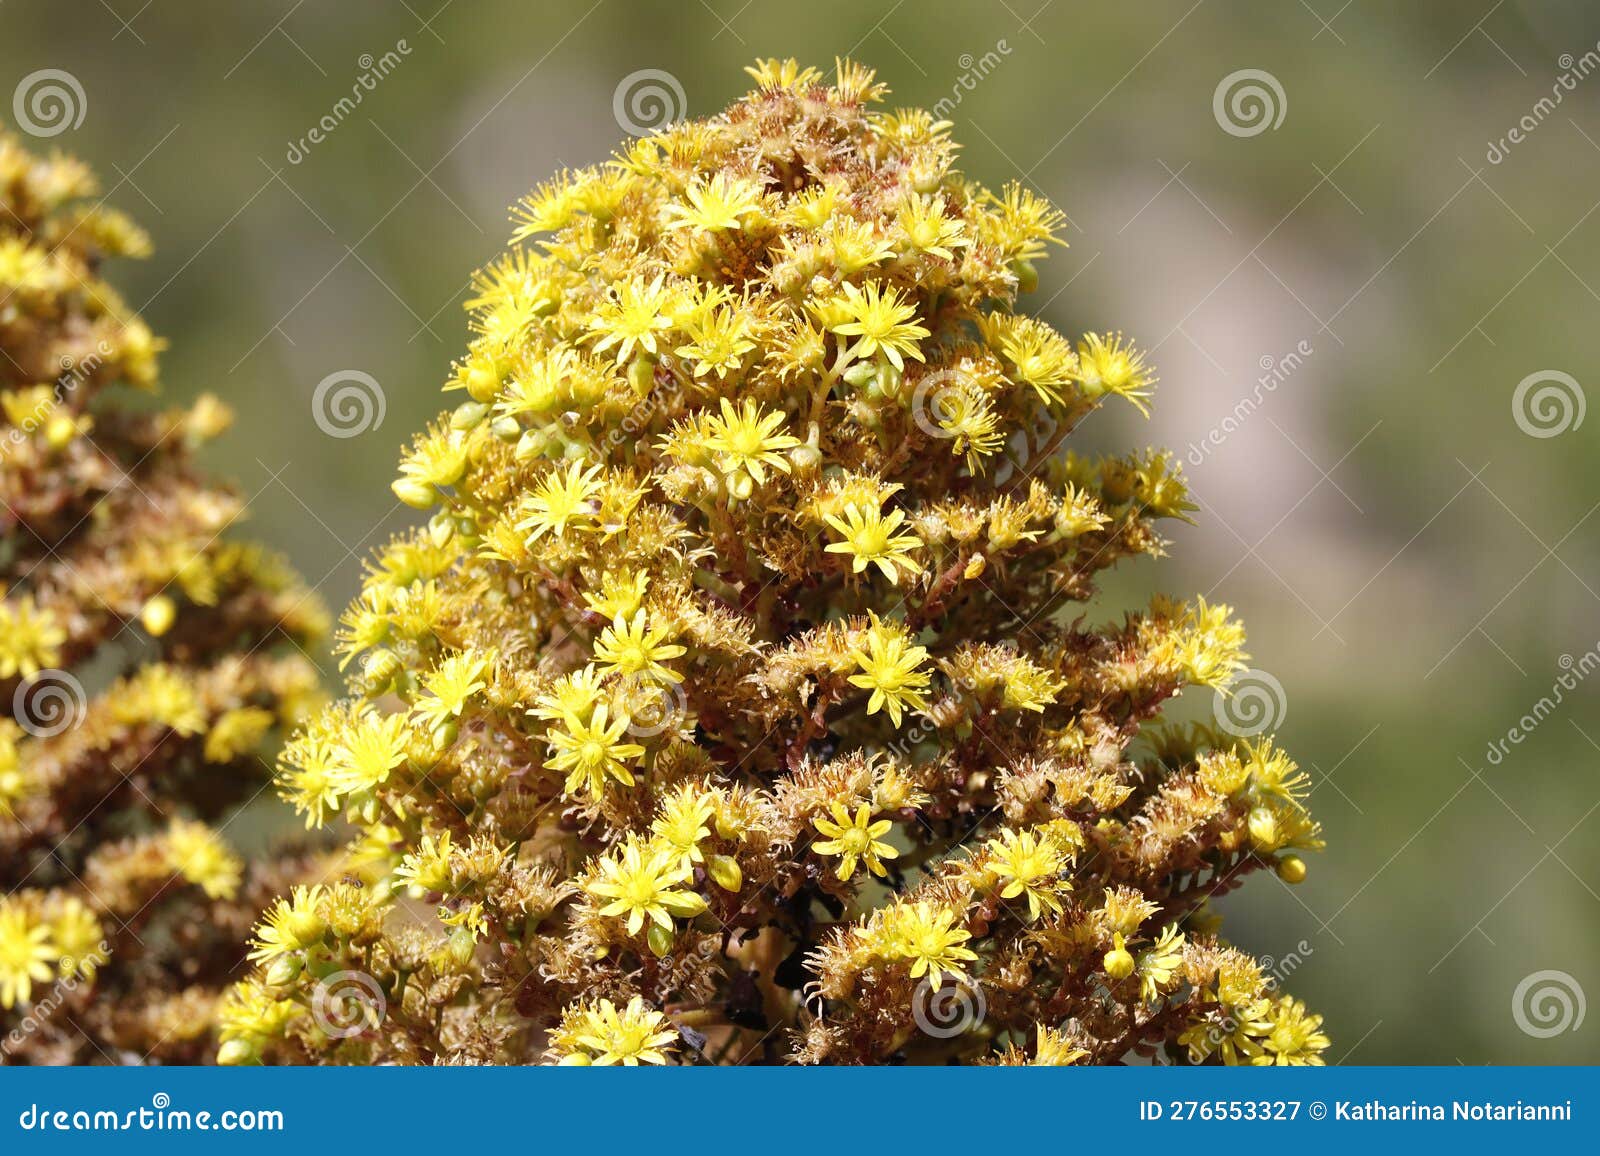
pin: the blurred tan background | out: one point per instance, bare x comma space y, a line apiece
1344, 268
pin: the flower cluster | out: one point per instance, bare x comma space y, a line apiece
122, 908
737, 695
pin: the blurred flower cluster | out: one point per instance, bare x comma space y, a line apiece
122, 908
732, 705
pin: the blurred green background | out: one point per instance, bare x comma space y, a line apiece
1413, 563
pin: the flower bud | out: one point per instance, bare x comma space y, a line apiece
414, 494
59, 431
642, 374
861, 373
158, 615
1263, 828
237, 1052
482, 385
724, 871
1118, 963
1292, 869
284, 970
468, 415
659, 939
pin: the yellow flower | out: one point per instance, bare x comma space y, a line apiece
428, 867
198, 853
30, 638
1029, 865
601, 1035
572, 696
633, 315
643, 882
870, 538
856, 245
292, 925
1027, 221
927, 229
450, 684
237, 732
588, 752
881, 321
436, 460
364, 623
721, 203
250, 1015
1160, 962
635, 648
368, 749
1272, 772
746, 440
539, 384
1055, 1049
26, 953
1039, 356
964, 412
1125, 909
814, 206
924, 933
16, 783
559, 500
159, 694
1105, 366
1295, 1037
890, 669
547, 208
1209, 646
1232, 1032
620, 594
307, 777
77, 936
774, 75
719, 339
854, 837
681, 825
